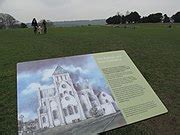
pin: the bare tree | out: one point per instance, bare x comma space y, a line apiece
6, 21
10, 21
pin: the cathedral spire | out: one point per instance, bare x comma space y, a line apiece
59, 70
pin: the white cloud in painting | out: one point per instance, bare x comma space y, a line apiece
73, 69
47, 74
33, 87
23, 76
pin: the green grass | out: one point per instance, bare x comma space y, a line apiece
154, 48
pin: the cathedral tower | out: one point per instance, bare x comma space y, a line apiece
70, 103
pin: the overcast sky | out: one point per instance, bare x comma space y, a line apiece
60, 10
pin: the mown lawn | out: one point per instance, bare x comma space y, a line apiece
154, 48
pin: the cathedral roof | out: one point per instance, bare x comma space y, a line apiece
59, 70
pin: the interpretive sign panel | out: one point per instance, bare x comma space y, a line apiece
86, 94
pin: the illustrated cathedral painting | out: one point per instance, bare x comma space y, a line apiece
59, 92
62, 104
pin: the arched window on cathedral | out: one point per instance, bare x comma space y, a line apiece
84, 107
41, 94
89, 94
54, 92
44, 103
55, 115
104, 109
107, 101
71, 93
75, 109
57, 78
70, 110
65, 112
41, 111
65, 92
61, 95
44, 120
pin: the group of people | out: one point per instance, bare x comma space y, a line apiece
39, 27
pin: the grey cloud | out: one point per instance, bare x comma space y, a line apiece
83, 9
55, 2
1, 2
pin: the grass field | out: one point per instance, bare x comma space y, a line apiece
154, 48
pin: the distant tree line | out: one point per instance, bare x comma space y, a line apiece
134, 17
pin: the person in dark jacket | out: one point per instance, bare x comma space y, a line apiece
44, 26
35, 25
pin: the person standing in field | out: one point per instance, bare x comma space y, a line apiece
35, 25
44, 23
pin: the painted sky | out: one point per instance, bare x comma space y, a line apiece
60, 10
38, 74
